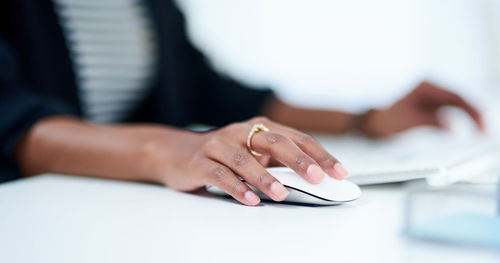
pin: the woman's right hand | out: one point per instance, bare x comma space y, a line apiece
218, 157
179, 159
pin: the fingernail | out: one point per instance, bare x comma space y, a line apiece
252, 197
340, 170
315, 174
279, 190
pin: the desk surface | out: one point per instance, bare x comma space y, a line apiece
54, 218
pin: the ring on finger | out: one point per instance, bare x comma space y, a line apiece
255, 129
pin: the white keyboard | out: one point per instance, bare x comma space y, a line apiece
440, 157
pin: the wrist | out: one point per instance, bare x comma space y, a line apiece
363, 123
162, 152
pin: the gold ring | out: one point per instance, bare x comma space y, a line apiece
255, 129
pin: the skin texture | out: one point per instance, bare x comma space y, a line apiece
420, 107
186, 161
180, 159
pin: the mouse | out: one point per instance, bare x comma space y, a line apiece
330, 191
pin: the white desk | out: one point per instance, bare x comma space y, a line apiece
69, 219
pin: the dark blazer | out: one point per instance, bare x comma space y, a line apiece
37, 78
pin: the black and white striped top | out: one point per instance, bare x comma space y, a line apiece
113, 50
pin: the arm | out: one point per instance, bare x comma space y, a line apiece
68, 145
325, 121
221, 100
419, 108
42, 135
180, 159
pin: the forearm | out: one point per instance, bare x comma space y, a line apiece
70, 146
313, 120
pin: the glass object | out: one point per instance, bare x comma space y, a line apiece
458, 214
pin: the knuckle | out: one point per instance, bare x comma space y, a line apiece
424, 87
302, 162
265, 180
275, 138
240, 157
219, 174
213, 142
327, 160
306, 139
425, 83
237, 189
261, 179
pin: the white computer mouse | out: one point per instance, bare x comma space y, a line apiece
329, 192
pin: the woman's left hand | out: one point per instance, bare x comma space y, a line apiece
419, 108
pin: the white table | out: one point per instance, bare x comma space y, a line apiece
53, 218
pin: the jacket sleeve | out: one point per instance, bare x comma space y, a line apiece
220, 100
20, 109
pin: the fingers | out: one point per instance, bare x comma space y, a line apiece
457, 101
239, 160
227, 156
222, 177
473, 113
445, 97
310, 146
300, 144
287, 152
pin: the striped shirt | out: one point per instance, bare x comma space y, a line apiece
112, 47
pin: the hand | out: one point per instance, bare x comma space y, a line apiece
220, 156
419, 108
180, 159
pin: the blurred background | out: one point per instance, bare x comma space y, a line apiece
351, 55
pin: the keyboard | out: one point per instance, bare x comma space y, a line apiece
439, 157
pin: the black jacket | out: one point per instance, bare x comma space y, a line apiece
37, 79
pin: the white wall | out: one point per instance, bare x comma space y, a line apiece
350, 54
493, 23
